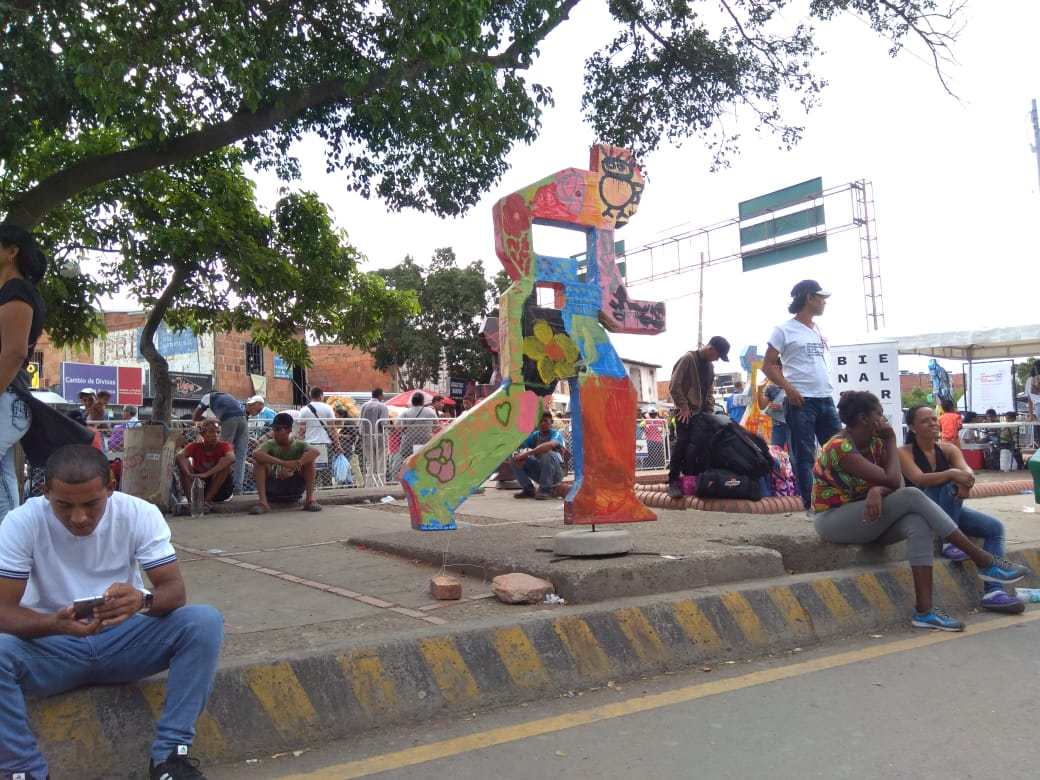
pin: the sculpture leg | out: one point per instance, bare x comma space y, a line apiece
455, 462
605, 457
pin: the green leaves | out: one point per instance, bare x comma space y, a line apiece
452, 302
417, 102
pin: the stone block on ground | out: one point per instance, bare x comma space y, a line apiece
445, 588
519, 588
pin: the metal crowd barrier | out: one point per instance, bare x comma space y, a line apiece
374, 457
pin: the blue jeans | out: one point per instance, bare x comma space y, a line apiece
816, 420
781, 436
972, 522
187, 642
236, 432
546, 469
14, 422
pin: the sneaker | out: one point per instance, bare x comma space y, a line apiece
1003, 571
999, 601
952, 552
674, 490
936, 620
524, 494
177, 766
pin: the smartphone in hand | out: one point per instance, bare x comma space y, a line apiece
84, 608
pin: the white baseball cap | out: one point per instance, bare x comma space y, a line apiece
256, 399
88, 390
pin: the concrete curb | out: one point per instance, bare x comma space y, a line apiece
654, 495
286, 704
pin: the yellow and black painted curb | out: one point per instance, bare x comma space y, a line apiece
264, 708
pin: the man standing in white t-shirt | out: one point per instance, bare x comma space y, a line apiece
797, 361
82, 540
317, 420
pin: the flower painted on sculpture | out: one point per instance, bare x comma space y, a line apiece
554, 353
570, 189
439, 464
516, 217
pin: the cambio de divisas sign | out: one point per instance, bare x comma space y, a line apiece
873, 367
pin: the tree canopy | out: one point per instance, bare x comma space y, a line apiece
452, 303
418, 103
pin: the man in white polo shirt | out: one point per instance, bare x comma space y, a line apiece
82, 540
797, 361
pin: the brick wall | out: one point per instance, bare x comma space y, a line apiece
231, 376
908, 382
339, 367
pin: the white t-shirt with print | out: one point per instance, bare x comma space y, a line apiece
805, 357
60, 567
315, 432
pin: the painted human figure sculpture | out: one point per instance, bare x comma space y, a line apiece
539, 347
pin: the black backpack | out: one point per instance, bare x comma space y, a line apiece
719, 483
703, 429
738, 450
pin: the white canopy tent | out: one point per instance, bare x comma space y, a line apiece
992, 344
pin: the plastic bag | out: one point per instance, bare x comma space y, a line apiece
341, 470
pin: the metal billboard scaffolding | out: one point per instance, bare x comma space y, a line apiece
665, 256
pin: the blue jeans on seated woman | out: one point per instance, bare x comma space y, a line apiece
972, 522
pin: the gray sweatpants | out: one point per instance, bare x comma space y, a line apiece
906, 514
235, 431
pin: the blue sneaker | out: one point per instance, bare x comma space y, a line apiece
1003, 571
936, 620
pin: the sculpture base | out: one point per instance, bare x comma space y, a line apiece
586, 543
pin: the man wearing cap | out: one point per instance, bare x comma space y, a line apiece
258, 408
797, 361
693, 379
87, 399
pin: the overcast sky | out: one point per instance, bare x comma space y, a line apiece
955, 185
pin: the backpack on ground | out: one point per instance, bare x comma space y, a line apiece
719, 483
735, 449
703, 428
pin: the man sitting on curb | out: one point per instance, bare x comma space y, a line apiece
284, 468
543, 461
210, 460
81, 540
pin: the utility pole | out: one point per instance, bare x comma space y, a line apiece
1036, 138
700, 307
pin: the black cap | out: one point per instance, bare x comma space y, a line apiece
721, 346
282, 420
808, 287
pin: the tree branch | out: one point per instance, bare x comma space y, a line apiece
34, 204
162, 403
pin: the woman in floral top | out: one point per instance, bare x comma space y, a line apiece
859, 497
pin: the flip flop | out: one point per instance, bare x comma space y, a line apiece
258, 509
313, 506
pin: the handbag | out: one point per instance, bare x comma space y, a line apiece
49, 429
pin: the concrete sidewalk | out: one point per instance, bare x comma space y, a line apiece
327, 635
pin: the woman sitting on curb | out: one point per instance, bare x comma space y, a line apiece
937, 467
858, 496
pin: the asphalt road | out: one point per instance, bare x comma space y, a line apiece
913, 705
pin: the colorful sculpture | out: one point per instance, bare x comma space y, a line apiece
539, 347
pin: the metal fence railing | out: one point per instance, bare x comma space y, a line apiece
374, 456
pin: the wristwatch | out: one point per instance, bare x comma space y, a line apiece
148, 598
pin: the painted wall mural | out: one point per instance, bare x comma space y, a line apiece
542, 346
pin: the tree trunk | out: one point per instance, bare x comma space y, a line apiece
162, 401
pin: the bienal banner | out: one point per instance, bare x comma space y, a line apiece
873, 367
991, 386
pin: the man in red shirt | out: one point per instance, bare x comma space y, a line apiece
211, 460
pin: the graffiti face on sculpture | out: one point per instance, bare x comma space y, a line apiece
539, 347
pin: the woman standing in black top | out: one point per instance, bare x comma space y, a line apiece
22, 266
